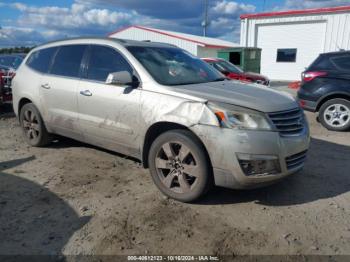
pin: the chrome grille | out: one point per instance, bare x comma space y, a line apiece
289, 122
296, 160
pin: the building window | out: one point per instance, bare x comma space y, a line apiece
286, 55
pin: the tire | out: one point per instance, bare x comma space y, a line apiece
335, 114
171, 156
33, 127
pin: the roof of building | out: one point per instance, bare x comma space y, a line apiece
200, 40
91, 40
299, 12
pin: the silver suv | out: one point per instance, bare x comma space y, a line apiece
188, 124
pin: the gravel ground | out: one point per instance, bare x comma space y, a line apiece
72, 198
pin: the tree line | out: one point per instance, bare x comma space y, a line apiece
15, 50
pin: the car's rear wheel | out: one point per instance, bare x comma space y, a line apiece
335, 114
179, 165
33, 126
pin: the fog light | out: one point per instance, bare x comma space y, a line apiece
259, 165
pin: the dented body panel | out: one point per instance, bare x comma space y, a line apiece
224, 144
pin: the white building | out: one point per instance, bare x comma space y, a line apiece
197, 45
291, 40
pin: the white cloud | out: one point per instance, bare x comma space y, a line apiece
77, 16
232, 8
19, 36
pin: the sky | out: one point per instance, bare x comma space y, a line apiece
31, 22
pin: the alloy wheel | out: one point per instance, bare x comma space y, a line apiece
177, 167
31, 124
337, 115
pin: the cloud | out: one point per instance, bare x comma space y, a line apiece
303, 4
10, 36
77, 16
183, 15
99, 17
162, 9
232, 8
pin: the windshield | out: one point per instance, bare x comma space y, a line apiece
225, 66
174, 66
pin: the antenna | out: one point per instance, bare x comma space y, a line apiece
205, 22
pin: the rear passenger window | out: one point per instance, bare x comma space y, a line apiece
40, 60
342, 62
68, 60
103, 61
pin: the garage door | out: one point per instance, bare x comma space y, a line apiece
280, 42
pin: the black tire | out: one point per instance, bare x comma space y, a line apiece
33, 127
169, 170
333, 114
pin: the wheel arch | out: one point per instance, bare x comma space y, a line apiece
159, 128
22, 102
331, 96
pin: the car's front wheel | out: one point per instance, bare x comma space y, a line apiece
179, 165
335, 114
33, 126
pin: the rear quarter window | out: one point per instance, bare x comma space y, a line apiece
41, 59
322, 63
341, 62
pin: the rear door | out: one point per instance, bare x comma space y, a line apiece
58, 90
108, 114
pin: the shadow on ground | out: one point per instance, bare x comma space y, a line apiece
6, 111
325, 175
33, 220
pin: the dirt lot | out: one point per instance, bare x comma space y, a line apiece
72, 198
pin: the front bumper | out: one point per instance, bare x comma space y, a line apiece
224, 145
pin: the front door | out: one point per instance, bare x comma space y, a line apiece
108, 114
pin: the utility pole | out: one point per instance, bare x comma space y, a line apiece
205, 22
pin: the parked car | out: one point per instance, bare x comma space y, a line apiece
234, 72
325, 89
186, 122
8, 66
6, 75
11, 60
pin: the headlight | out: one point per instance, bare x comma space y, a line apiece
237, 117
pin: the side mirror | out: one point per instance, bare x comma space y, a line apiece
121, 78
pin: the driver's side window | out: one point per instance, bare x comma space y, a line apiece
103, 61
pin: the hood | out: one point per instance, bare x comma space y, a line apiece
254, 75
246, 95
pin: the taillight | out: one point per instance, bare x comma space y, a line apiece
309, 76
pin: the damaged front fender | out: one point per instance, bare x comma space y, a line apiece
176, 110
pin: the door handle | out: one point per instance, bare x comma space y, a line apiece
86, 93
46, 86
